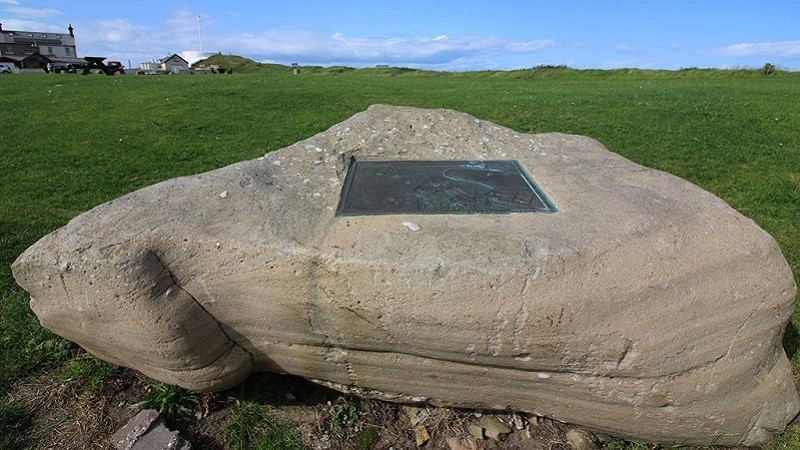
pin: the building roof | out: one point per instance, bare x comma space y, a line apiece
36, 37
174, 55
67, 60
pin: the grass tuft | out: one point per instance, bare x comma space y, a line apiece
251, 427
173, 402
87, 369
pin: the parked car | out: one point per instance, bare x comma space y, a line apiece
116, 66
6, 68
64, 68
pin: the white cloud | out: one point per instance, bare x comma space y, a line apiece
115, 32
779, 48
122, 39
622, 48
33, 13
32, 25
314, 48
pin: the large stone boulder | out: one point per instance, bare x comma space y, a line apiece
645, 306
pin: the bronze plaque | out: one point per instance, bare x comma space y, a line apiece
440, 187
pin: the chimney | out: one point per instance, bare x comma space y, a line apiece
71, 30
1, 27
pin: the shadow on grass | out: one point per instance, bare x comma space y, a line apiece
15, 421
791, 340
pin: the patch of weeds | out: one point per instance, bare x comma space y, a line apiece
615, 443
366, 439
92, 371
251, 427
14, 425
344, 414
621, 444
173, 402
790, 440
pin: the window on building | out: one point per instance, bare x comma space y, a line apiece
68, 50
49, 50
10, 49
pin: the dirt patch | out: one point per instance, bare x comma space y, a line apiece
68, 416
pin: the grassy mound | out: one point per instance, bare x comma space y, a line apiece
239, 64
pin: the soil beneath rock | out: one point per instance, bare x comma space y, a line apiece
66, 415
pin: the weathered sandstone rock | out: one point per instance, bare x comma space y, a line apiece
645, 307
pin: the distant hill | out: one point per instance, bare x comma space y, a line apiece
240, 64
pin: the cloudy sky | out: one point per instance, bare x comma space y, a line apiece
435, 34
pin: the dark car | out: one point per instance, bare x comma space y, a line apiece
116, 66
64, 68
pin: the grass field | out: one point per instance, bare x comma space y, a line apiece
71, 142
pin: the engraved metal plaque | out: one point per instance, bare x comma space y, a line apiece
439, 187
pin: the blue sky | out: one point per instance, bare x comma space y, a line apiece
441, 35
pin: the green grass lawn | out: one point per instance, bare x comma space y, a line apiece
70, 142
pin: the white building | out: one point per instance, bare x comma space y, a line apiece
171, 64
192, 56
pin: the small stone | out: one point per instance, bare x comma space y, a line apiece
421, 435
579, 439
147, 431
223, 194
494, 427
415, 414
464, 443
126, 437
518, 420
476, 431
412, 226
289, 396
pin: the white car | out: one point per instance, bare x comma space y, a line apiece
5, 68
